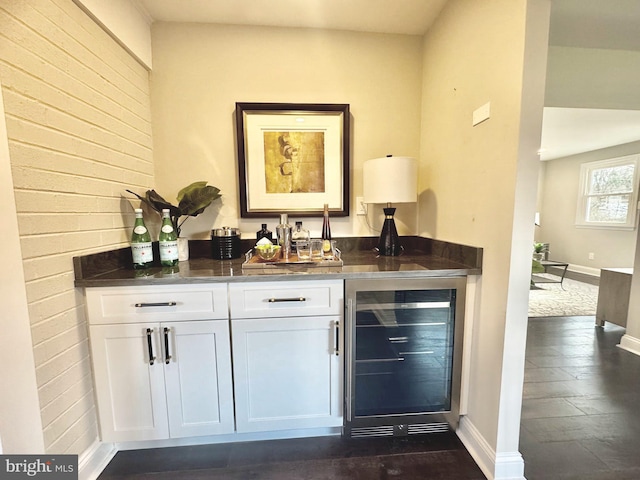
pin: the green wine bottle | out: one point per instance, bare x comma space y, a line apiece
168, 241
141, 243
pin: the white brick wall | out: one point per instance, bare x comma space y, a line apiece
78, 120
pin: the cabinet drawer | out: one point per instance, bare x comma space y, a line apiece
156, 303
285, 299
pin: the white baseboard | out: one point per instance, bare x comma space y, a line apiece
630, 344
231, 437
594, 272
509, 466
94, 459
501, 466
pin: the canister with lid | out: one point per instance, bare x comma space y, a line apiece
225, 243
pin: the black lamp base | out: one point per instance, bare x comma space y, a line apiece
389, 243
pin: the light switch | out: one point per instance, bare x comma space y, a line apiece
481, 114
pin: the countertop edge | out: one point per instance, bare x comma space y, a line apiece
422, 258
271, 277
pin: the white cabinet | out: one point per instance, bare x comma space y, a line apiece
198, 379
161, 379
129, 390
162, 358
287, 355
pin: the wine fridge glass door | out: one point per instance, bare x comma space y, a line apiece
404, 351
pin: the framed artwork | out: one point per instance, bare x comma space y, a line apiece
293, 158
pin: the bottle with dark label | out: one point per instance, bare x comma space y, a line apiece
264, 233
141, 250
326, 231
299, 234
168, 241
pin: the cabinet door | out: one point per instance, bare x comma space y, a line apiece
198, 377
287, 373
129, 385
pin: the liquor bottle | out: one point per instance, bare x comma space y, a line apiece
283, 231
264, 233
326, 232
168, 241
299, 234
141, 250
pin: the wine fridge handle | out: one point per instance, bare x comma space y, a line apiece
167, 355
348, 321
152, 359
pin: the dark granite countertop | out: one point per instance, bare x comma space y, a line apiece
422, 257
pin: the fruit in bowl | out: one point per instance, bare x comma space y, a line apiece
268, 251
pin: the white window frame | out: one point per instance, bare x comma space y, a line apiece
586, 170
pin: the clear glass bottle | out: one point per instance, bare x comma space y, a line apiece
168, 241
283, 232
326, 232
141, 250
299, 234
264, 233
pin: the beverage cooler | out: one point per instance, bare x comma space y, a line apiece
403, 355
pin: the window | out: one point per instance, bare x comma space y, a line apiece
608, 193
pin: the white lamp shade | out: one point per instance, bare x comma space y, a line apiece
390, 180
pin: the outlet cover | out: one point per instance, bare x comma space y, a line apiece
361, 208
481, 114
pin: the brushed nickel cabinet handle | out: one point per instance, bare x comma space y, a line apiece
156, 304
293, 299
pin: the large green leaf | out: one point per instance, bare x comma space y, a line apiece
194, 198
158, 203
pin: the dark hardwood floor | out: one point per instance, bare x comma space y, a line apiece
579, 422
581, 400
438, 456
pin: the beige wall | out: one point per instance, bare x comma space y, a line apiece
78, 125
201, 71
479, 182
592, 78
559, 193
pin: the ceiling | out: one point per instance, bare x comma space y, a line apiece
610, 24
384, 16
568, 131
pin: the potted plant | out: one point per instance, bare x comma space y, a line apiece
192, 201
538, 251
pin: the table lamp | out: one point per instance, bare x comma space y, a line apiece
390, 180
